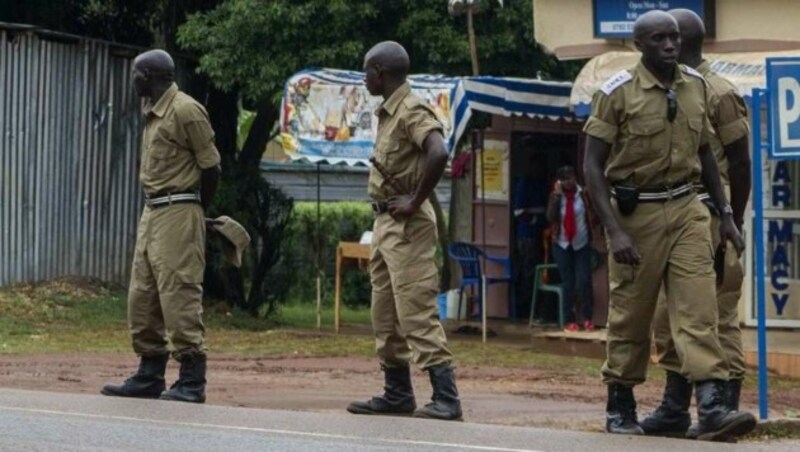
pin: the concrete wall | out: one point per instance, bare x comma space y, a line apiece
338, 183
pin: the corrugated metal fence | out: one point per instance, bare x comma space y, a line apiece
69, 196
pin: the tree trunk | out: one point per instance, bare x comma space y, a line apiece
255, 144
223, 112
234, 286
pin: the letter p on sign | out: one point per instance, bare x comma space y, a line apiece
783, 84
788, 113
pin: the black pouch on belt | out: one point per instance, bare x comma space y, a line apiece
627, 198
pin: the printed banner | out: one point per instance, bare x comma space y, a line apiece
329, 114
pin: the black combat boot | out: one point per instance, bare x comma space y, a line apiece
147, 382
716, 421
733, 390
397, 398
672, 417
191, 384
444, 403
621, 411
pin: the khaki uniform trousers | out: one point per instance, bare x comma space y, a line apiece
165, 299
674, 241
405, 282
730, 335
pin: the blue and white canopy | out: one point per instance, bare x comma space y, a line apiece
328, 115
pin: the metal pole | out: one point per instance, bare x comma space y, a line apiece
758, 231
483, 234
319, 251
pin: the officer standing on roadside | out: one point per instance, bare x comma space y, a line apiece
410, 157
179, 173
644, 133
728, 115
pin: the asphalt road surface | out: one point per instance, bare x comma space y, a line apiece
43, 421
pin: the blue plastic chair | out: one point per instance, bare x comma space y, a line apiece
469, 258
539, 284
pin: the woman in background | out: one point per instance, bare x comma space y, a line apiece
572, 251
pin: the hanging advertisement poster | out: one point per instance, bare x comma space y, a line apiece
492, 171
329, 114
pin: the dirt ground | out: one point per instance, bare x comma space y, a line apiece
522, 397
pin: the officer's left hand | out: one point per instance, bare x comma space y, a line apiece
729, 233
402, 207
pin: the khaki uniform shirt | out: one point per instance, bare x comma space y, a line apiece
728, 115
404, 121
629, 112
178, 143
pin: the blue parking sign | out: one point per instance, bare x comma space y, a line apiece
783, 85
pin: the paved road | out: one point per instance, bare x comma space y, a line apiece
34, 421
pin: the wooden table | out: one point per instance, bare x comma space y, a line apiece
352, 251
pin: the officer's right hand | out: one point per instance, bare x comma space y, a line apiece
623, 250
210, 223
730, 233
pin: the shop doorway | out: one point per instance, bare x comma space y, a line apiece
535, 159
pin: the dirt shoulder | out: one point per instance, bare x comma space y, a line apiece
524, 397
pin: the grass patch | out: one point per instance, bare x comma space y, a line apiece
305, 316
85, 316
76, 317
775, 430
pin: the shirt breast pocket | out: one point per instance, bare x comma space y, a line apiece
646, 136
386, 152
162, 156
693, 137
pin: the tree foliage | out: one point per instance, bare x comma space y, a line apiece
255, 45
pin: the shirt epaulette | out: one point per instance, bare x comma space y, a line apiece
692, 71
616, 80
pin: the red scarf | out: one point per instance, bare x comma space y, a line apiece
570, 226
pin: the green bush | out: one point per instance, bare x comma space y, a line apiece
339, 222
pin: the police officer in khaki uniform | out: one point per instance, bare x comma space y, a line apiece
644, 133
179, 171
409, 160
728, 115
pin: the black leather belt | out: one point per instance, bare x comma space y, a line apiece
167, 199
379, 207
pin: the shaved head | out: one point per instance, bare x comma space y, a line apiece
153, 73
693, 31
650, 20
656, 35
386, 66
155, 61
390, 57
